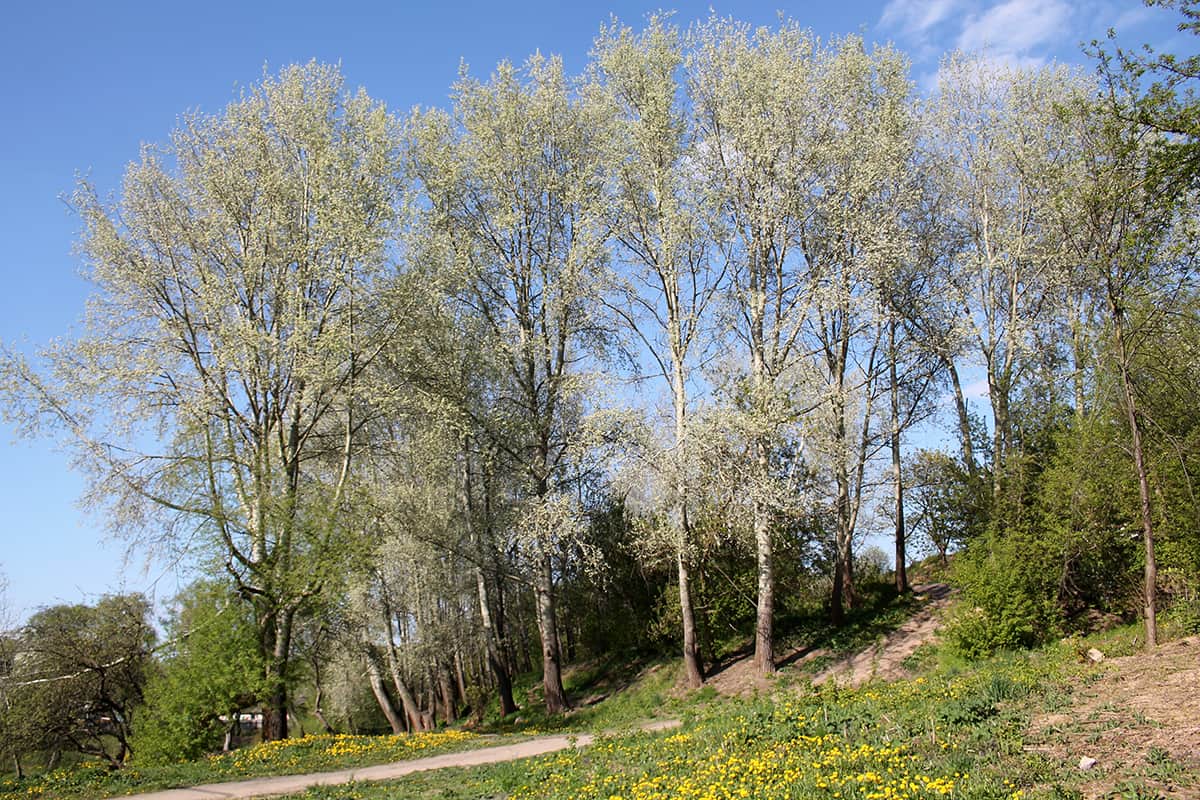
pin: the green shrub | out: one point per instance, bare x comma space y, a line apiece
213, 670
1008, 596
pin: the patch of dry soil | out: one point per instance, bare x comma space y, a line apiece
883, 660
1139, 717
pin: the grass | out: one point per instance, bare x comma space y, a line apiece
624, 690
636, 691
957, 730
314, 753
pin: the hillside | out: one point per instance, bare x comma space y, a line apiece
869, 724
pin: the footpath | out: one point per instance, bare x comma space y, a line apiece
290, 784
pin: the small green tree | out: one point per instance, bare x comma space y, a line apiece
211, 672
943, 501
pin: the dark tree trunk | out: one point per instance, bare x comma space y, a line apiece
492, 626
381, 697
1150, 573
447, 707
897, 473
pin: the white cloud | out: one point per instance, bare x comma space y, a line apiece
916, 17
1013, 28
1133, 18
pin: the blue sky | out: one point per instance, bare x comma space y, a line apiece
82, 84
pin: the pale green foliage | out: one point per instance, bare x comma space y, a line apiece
553, 524
669, 282
514, 183
995, 132
213, 385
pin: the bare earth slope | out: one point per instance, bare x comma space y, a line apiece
1139, 718
883, 660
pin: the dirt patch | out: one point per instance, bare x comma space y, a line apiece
1139, 717
884, 660
741, 678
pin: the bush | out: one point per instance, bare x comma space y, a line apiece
1008, 596
213, 671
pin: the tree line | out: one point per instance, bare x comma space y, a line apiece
630, 358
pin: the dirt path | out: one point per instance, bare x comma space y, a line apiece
884, 660
289, 784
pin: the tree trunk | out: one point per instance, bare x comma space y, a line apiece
460, 677
274, 726
319, 713
692, 663
381, 696
843, 579
897, 474
964, 422
764, 642
491, 636
1078, 350
494, 656
1150, 576
556, 696
416, 722
525, 657
691, 652
447, 708
998, 395
843, 557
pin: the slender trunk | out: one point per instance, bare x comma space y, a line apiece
18, 768
692, 663
447, 708
460, 675
1150, 577
319, 713
1078, 349
491, 636
567, 635
525, 657
843, 559
837, 611
381, 697
897, 475
764, 644
691, 651
764, 634
556, 696
843, 583
416, 722
964, 422
1000, 438
494, 656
